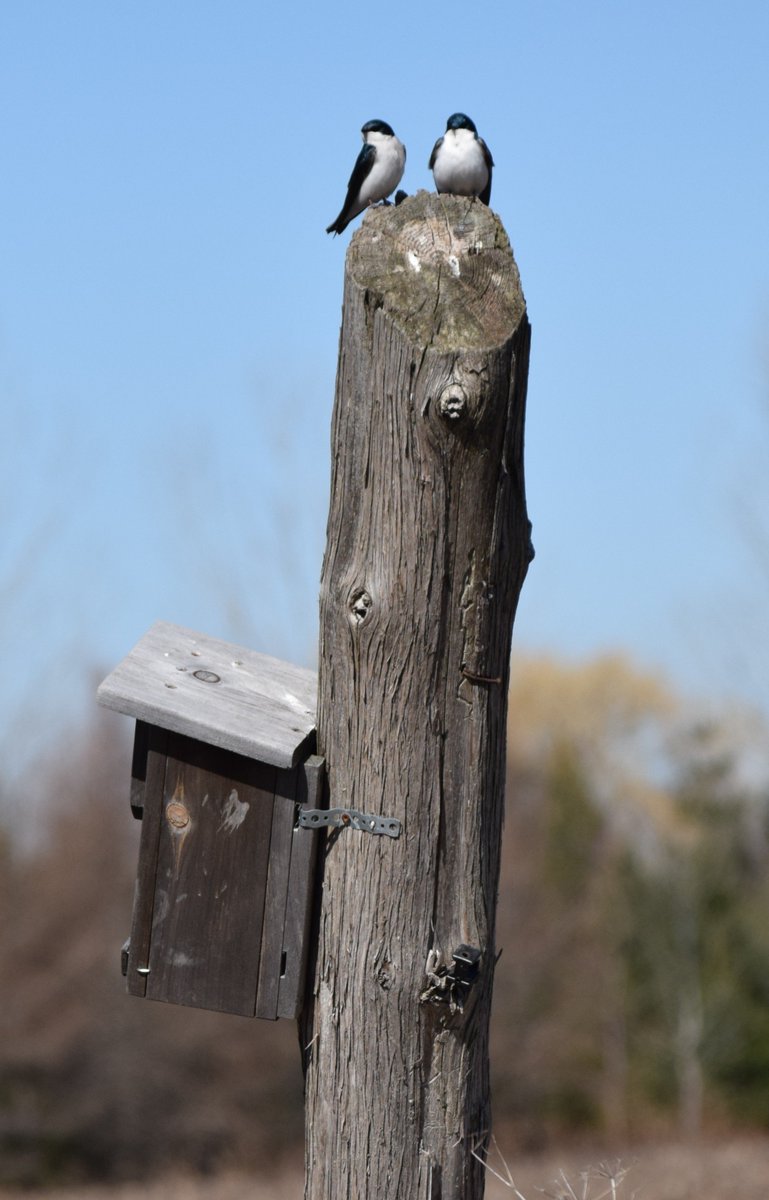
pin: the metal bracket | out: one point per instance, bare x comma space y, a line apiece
451, 984
348, 818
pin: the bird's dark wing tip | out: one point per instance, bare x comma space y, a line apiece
436, 148
485, 195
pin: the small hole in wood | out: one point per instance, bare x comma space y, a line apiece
283, 964
359, 606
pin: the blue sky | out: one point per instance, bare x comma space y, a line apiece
170, 304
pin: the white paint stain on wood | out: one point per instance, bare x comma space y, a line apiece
178, 958
233, 813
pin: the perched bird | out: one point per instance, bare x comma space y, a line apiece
461, 161
378, 170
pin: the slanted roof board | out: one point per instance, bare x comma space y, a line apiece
216, 692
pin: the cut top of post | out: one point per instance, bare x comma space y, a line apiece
442, 268
218, 693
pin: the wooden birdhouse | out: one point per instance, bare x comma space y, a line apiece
223, 764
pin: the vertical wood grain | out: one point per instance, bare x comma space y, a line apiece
213, 848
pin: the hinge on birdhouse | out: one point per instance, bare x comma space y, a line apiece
349, 818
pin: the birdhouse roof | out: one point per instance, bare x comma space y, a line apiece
218, 693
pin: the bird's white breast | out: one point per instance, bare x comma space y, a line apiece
460, 167
387, 171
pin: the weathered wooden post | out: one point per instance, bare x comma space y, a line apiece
428, 546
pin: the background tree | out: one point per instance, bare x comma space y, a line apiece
634, 873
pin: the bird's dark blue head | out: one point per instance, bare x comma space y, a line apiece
377, 127
460, 121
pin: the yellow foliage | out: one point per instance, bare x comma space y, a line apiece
586, 703
619, 720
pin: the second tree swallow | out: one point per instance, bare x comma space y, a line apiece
378, 170
461, 161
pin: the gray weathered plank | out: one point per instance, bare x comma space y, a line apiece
217, 692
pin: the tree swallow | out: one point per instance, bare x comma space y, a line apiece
461, 161
378, 170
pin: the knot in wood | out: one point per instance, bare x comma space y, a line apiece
452, 403
207, 676
177, 815
385, 974
359, 606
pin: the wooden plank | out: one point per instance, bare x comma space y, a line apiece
301, 893
139, 768
217, 692
211, 874
144, 895
270, 967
